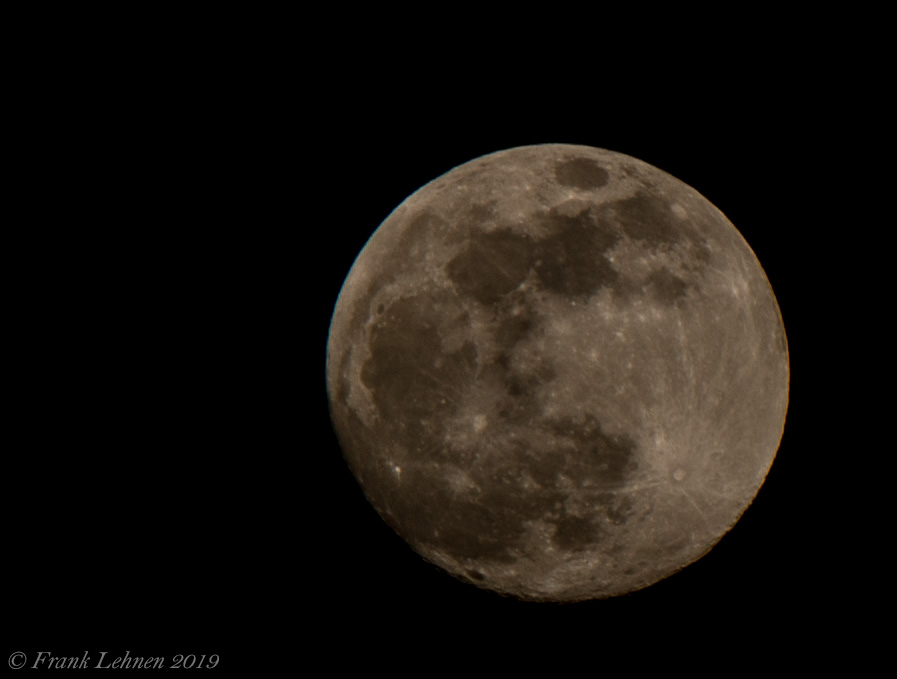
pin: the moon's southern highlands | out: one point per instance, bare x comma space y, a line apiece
558, 372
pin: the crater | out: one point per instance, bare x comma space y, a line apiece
581, 173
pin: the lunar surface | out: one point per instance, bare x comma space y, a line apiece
558, 372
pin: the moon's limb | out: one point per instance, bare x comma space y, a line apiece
558, 372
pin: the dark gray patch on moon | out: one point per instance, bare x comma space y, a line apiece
646, 218
520, 404
618, 508
488, 526
593, 455
575, 533
412, 379
480, 213
491, 265
666, 287
406, 250
514, 328
581, 173
571, 261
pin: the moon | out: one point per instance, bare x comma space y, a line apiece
558, 372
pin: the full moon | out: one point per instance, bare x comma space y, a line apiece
558, 372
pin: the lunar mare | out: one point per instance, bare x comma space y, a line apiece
558, 372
